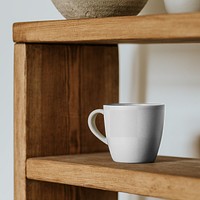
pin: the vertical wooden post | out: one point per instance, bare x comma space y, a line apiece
56, 87
20, 97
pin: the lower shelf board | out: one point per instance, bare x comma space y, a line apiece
168, 177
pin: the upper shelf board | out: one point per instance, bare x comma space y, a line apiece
168, 177
165, 28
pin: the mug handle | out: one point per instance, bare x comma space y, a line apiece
93, 127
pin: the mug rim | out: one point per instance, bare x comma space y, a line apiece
134, 105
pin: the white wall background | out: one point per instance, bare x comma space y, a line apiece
152, 73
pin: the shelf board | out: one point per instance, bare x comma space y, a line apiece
165, 28
168, 177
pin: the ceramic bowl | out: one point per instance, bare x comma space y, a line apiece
74, 9
182, 6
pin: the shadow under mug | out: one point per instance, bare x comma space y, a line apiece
133, 131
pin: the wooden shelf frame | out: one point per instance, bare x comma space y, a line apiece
168, 177
56, 87
163, 28
65, 69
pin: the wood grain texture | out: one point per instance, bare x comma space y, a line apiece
165, 28
57, 86
168, 177
54, 191
20, 87
65, 83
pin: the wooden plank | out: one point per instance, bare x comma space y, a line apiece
168, 177
20, 87
54, 191
65, 83
52, 103
163, 28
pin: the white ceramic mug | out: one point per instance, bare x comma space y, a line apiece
182, 6
133, 131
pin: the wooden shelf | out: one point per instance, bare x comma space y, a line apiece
53, 87
132, 29
168, 177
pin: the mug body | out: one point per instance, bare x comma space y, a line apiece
134, 131
182, 6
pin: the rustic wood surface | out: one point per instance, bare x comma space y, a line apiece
165, 28
20, 96
168, 177
56, 87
